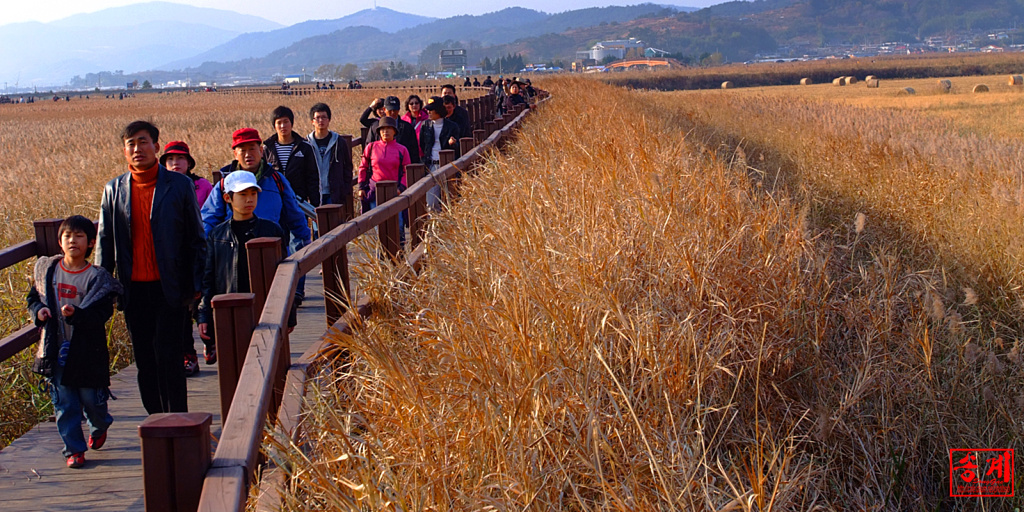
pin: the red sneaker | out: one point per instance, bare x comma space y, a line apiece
191, 365
95, 443
76, 460
210, 354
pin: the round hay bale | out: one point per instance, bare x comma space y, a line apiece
1016, 80
945, 85
872, 83
906, 91
839, 81
850, 80
806, 81
980, 88
727, 85
870, 77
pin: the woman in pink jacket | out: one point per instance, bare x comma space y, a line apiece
382, 160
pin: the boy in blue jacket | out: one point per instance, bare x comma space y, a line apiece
72, 300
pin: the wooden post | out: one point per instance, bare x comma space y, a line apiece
364, 132
388, 230
263, 255
348, 201
47, 238
465, 146
445, 157
479, 136
335, 268
217, 176
175, 458
418, 208
233, 321
488, 128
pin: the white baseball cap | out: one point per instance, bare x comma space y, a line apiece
238, 181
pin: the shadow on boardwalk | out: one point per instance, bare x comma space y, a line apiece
33, 475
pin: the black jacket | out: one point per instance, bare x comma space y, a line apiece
366, 120
448, 130
514, 99
461, 117
301, 172
339, 168
406, 136
88, 360
221, 272
177, 235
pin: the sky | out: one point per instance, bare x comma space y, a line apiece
289, 13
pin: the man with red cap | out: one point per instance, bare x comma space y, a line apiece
178, 158
277, 202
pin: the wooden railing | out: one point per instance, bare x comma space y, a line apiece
258, 381
269, 385
45, 244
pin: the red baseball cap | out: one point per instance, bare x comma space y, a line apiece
243, 135
177, 147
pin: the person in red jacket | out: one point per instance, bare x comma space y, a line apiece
383, 159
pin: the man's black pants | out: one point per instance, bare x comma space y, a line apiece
154, 326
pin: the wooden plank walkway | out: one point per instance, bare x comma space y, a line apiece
33, 475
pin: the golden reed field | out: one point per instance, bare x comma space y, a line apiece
56, 158
719, 300
789, 298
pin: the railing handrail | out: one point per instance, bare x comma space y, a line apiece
227, 482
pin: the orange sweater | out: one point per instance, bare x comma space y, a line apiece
143, 253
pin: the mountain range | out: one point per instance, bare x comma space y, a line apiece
213, 44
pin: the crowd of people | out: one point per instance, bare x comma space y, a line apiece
168, 241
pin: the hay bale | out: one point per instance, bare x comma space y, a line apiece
945, 85
839, 81
806, 81
872, 83
870, 77
850, 80
727, 85
1016, 80
906, 91
980, 88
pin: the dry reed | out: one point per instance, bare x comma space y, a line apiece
662, 318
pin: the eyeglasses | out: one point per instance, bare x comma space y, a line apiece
321, 118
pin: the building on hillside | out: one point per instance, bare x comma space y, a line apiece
293, 79
604, 49
453, 60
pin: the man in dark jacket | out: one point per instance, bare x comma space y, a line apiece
151, 239
290, 154
333, 158
406, 135
456, 112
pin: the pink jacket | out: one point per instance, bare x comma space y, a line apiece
203, 189
382, 162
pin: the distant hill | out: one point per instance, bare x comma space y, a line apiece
259, 44
45, 54
167, 12
363, 44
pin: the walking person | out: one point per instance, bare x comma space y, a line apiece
178, 158
333, 158
437, 134
72, 301
277, 201
405, 133
372, 113
151, 239
514, 97
384, 159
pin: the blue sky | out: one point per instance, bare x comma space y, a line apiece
291, 12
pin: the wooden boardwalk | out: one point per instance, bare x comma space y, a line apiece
33, 475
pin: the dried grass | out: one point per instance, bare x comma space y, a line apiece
664, 318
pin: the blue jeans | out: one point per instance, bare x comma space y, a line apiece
69, 403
